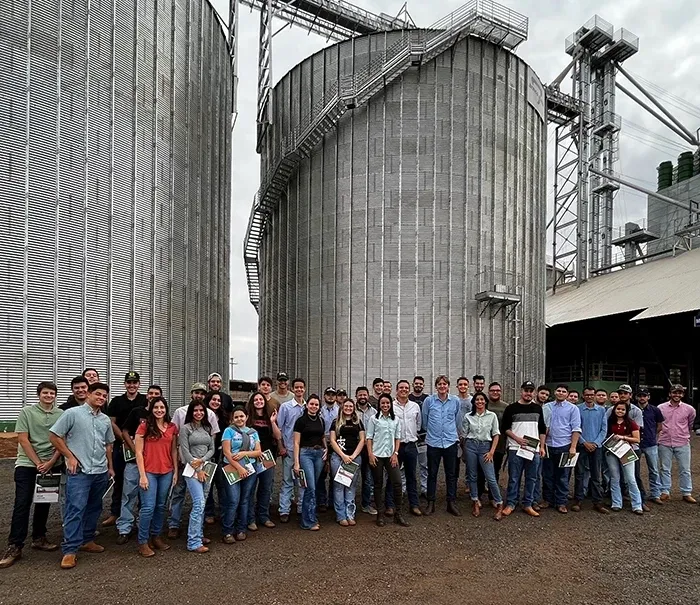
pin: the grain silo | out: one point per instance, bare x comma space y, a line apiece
115, 194
403, 209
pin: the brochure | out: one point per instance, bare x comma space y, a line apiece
568, 460
232, 475
302, 479
266, 461
528, 451
47, 488
209, 469
346, 473
128, 454
621, 449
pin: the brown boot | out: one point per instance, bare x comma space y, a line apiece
159, 543
68, 562
499, 512
92, 547
399, 519
476, 509
145, 550
11, 554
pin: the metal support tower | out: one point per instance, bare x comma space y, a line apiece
587, 136
264, 72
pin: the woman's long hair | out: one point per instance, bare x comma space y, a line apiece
152, 430
391, 407
354, 418
268, 410
189, 415
486, 402
612, 421
221, 416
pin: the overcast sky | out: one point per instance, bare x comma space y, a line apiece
668, 56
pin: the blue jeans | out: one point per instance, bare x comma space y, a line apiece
474, 455
287, 489
84, 495
556, 478
449, 458
153, 502
591, 463
311, 462
344, 497
235, 517
221, 486
651, 454
516, 466
324, 491
614, 467
537, 496
130, 497
367, 480
177, 501
259, 507
682, 456
195, 530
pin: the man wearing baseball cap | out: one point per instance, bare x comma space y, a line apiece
282, 393
118, 411
674, 443
215, 383
329, 413
524, 418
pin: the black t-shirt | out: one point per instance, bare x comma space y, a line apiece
267, 440
70, 403
134, 419
348, 436
311, 430
120, 407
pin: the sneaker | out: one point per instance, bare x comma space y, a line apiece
252, 526
122, 539
228, 539
11, 554
370, 510
284, 518
43, 544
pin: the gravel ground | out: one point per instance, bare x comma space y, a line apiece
580, 558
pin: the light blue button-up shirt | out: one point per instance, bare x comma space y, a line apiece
329, 414
440, 420
594, 424
288, 414
87, 435
563, 420
383, 431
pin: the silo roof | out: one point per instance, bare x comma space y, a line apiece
661, 287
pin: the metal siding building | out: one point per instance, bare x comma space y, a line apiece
430, 193
115, 194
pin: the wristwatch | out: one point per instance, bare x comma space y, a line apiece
396, 453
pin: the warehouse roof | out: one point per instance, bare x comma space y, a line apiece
661, 287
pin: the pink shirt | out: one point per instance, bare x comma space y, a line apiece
677, 424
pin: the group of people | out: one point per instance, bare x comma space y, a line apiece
390, 443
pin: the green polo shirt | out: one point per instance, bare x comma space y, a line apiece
36, 422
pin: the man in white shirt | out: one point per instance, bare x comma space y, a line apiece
408, 413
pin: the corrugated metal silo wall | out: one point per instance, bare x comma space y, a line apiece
416, 202
115, 190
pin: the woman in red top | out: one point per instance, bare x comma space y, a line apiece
156, 457
623, 429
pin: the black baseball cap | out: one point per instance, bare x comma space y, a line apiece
341, 392
329, 391
282, 376
643, 392
132, 376
528, 385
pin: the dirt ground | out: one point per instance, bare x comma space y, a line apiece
8, 445
579, 558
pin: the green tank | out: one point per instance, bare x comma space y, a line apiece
685, 166
665, 178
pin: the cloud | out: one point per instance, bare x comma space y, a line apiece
668, 57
